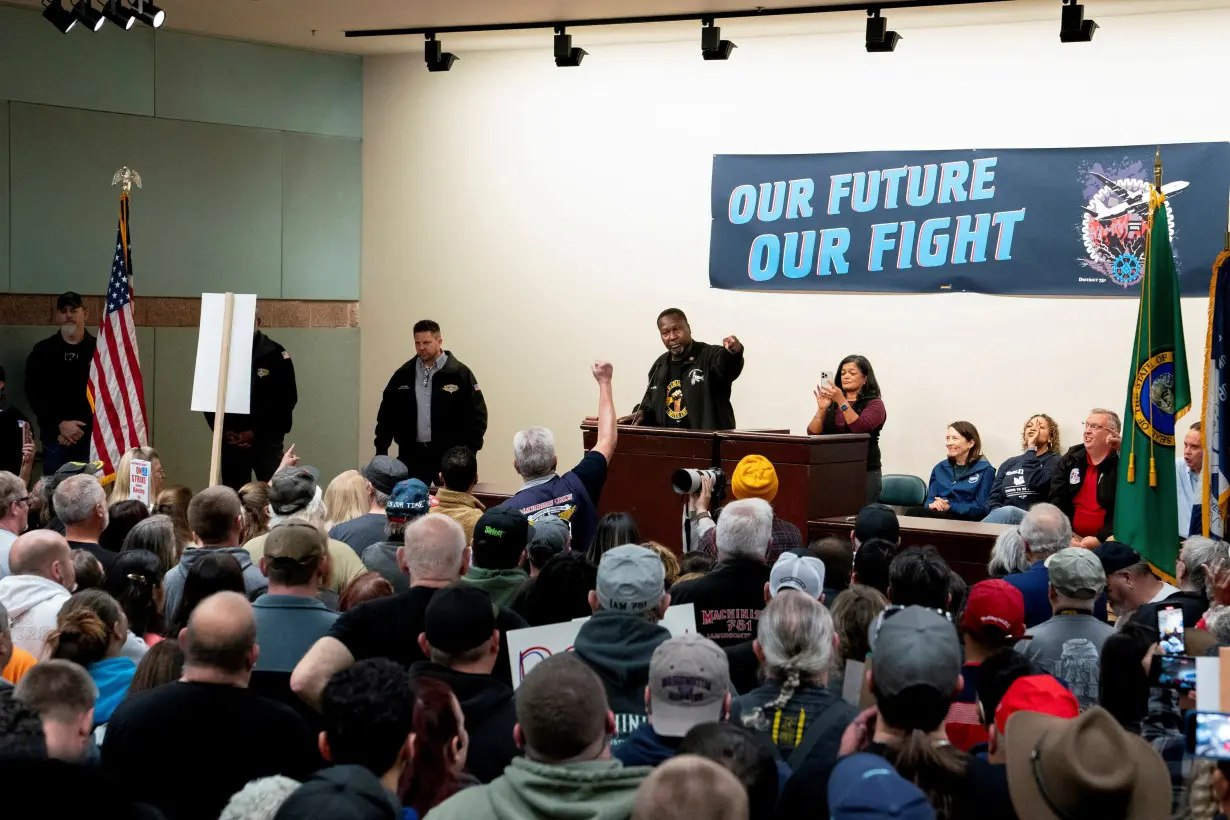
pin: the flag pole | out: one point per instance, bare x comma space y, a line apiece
215, 454
1154, 202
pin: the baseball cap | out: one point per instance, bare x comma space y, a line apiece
630, 578
70, 299
1115, 556
864, 786
548, 537
384, 473
501, 530
996, 604
754, 477
802, 572
876, 521
292, 488
459, 618
296, 541
408, 500
689, 678
1036, 693
1076, 573
915, 646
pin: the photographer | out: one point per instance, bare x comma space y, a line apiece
754, 477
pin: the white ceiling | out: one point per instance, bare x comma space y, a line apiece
319, 24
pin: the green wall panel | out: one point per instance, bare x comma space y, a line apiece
110, 70
4, 199
255, 85
322, 206
16, 341
326, 420
208, 219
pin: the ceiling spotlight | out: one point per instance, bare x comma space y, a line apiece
565, 55
89, 16
148, 13
59, 16
1074, 28
712, 46
119, 14
879, 38
437, 60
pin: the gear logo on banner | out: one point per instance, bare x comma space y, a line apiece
1114, 225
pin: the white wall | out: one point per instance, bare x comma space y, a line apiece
544, 216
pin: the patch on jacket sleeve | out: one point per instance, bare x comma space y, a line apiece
1075, 476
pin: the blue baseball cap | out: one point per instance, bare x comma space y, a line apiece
408, 500
867, 787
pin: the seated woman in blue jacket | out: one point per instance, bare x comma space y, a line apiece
960, 485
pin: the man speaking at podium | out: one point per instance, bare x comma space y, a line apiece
689, 384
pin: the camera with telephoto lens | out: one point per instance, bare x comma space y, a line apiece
687, 482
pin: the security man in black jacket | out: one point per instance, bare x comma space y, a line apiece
253, 443
432, 403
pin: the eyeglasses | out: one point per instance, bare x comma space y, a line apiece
25, 499
1089, 426
874, 632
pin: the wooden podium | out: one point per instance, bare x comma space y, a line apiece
820, 476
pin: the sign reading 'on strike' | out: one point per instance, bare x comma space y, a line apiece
1061, 221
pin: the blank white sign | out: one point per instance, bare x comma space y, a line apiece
209, 351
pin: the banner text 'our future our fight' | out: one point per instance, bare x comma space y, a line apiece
901, 243
1020, 220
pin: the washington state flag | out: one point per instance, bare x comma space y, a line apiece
1146, 503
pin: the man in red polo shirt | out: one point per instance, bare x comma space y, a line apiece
1084, 482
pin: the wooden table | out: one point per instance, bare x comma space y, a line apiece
965, 545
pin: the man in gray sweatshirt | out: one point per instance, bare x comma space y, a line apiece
216, 518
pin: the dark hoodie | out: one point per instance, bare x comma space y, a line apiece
347, 792
645, 747
490, 712
619, 647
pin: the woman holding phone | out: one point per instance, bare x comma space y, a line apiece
853, 405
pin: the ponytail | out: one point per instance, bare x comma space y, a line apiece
758, 718
84, 628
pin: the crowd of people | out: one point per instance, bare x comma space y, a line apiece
303, 649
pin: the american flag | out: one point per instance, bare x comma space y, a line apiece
115, 389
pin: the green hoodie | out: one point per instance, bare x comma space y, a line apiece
501, 584
592, 790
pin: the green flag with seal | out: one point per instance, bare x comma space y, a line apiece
1146, 503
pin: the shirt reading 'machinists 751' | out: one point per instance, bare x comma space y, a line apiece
728, 600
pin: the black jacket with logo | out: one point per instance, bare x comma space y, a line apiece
274, 394
705, 375
57, 374
458, 410
1064, 489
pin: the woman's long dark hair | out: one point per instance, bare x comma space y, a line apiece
214, 572
429, 780
1124, 687
133, 581
871, 390
122, 517
614, 530
939, 769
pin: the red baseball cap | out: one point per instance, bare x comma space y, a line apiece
997, 604
1036, 693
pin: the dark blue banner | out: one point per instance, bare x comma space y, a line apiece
1061, 221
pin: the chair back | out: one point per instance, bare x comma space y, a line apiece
903, 491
